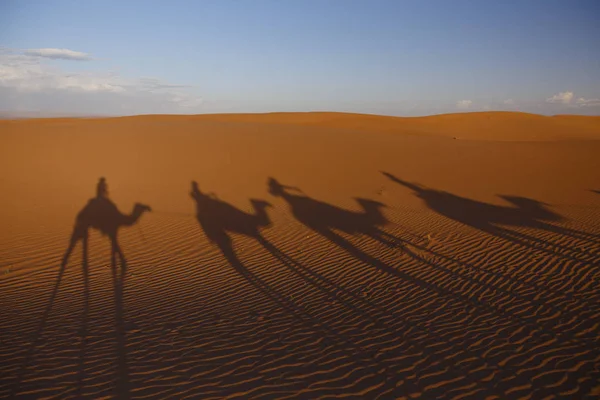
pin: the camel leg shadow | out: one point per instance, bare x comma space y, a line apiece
85, 319
37, 336
76, 236
116, 251
121, 382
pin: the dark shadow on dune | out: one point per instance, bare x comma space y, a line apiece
219, 219
83, 334
596, 191
328, 221
102, 214
37, 337
323, 217
121, 388
508, 222
496, 220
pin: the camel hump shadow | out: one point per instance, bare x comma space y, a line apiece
320, 215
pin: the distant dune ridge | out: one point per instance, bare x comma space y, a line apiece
491, 125
304, 255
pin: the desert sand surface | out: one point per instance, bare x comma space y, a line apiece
318, 255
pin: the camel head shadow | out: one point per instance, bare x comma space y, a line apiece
102, 214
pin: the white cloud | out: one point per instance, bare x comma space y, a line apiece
28, 73
562, 97
28, 81
509, 102
587, 102
464, 104
62, 54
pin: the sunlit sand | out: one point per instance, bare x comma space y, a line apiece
301, 255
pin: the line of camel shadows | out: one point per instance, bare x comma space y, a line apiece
219, 219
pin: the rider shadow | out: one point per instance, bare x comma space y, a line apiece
102, 214
496, 220
219, 219
325, 218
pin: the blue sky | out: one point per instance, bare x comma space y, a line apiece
397, 57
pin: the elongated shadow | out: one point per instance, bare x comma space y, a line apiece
219, 219
102, 214
121, 382
524, 213
494, 220
83, 334
327, 220
36, 338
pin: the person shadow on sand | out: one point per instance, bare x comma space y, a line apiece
500, 221
102, 214
324, 218
219, 219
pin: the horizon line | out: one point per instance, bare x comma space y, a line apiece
5, 116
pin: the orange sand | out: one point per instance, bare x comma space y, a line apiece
452, 256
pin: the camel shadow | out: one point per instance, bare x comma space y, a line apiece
219, 220
504, 221
326, 218
121, 379
102, 214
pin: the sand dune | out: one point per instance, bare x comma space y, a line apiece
319, 255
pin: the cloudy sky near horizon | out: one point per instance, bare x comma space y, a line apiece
395, 57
